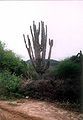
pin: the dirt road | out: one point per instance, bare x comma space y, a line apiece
34, 110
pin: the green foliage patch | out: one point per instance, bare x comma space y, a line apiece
11, 62
9, 84
68, 69
12, 68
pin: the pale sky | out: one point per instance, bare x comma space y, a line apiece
64, 20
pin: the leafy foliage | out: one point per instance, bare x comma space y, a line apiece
68, 69
9, 61
9, 84
12, 68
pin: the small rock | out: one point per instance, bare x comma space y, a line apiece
27, 97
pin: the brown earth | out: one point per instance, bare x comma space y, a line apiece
34, 110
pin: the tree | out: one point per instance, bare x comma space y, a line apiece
37, 53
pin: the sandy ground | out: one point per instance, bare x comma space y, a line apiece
34, 110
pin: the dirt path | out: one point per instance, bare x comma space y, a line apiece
34, 110
5, 115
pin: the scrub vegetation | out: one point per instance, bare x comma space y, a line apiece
18, 79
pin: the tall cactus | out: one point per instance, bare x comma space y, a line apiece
37, 53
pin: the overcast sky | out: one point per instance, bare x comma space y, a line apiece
64, 20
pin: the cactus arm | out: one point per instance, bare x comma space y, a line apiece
36, 42
28, 51
39, 29
43, 42
30, 47
48, 61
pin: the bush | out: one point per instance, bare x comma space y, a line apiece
9, 84
68, 69
44, 89
11, 62
52, 90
